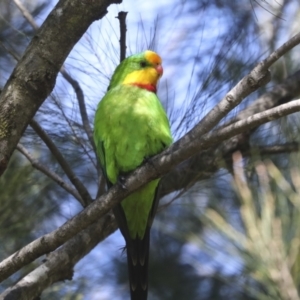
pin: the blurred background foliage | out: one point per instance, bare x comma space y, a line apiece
234, 234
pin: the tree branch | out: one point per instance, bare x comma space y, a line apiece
27, 15
122, 21
37, 70
74, 83
63, 163
278, 149
59, 264
289, 89
152, 169
35, 164
258, 77
205, 163
82, 107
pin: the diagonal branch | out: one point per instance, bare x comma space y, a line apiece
289, 89
258, 77
27, 15
59, 264
81, 103
34, 162
154, 168
83, 192
205, 163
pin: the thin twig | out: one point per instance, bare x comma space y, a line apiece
251, 122
81, 103
63, 163
273, 57
37, 165
278, 149
123, 28
27, 15
86, 151
10, 52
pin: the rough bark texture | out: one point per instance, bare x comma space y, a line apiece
59, 264
34, 77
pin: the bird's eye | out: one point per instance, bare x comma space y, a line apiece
143, 64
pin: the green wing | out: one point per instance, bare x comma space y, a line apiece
130, 126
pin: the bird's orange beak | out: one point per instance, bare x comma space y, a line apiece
159, 70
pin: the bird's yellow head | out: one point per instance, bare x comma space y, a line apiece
142, 70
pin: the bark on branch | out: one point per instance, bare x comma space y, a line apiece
34, 76
56, 178
59, 264
205, 163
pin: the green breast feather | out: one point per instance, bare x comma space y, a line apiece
131, 125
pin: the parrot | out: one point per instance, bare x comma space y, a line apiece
130, 126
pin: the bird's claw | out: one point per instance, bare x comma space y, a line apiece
121, 181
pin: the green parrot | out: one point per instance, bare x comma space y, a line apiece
130, 126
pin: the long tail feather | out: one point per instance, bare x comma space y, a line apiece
137, 259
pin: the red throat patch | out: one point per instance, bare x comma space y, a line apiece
148, 87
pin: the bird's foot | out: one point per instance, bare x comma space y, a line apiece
121, 181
